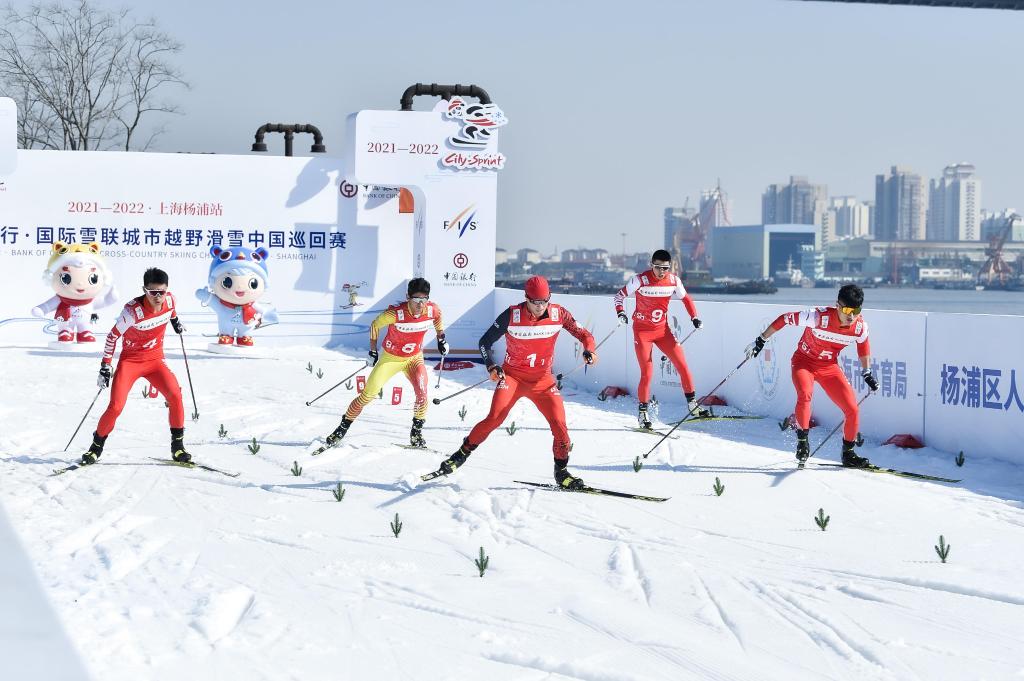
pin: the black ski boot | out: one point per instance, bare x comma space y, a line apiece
456, 460
642, 418
95, 450
416, 434
803, 447
696, 411
178, 452
339, 432
565, 479
850, 458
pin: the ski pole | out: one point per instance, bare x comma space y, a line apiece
83, 419
365, 364
837, 426
195, 408
690, 413
439, 400
559, 377
439, 372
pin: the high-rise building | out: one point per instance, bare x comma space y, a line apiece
797, 203
954, 205
852, 217
900, 205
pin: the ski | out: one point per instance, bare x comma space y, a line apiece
408, 446
651, 431
427, 477
593, 490
67, 469
891, 471
193, 464
738, 417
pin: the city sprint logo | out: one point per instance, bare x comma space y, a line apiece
461, 222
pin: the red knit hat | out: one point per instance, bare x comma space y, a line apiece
537, 288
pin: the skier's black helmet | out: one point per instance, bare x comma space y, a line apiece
418, 285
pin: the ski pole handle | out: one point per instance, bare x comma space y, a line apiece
365, 364
439, 400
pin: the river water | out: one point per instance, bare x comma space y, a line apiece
917, 299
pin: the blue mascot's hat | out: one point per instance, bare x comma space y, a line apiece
238, 258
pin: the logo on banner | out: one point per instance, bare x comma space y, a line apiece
768, 370
461, 260
478, 120
460, 222
348, 190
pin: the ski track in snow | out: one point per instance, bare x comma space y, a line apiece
168, 573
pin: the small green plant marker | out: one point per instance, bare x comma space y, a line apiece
396, 526
319, 373
821, 519
960, 458
637, 464
253, 447
943, 548
511, 430
223, 432
719, 488
348, 385
482, 562
462, 413
296, 469
339, 492
309, 367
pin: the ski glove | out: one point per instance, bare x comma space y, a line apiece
179, 328
870, 379
697, 323
589, 357
103, 380
623, 319
93, 318
442, 346
755, 348
496, 372
374, 356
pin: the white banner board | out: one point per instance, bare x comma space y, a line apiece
8, 137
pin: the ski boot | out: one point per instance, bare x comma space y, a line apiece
95, 450
178, 452
416, 434
803, 447
453, 462
565, 479
642, 418
335, 437
850, 458
697, 411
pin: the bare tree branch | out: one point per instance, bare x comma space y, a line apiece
85, 78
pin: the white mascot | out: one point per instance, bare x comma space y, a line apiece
82, 283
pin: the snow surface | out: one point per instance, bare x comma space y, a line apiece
159, 572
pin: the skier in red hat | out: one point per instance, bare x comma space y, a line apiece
530, 329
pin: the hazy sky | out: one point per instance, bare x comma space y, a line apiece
618, 109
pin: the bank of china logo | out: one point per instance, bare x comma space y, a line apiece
768, 370
478, 120
462, 221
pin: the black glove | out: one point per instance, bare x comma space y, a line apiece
178, 327
93, 318
496, 372
755, 348
442, 346
697, 323
374, 356
589, 357
870, 379
103, 380
623, 319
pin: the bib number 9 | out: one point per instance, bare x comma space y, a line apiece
657, 315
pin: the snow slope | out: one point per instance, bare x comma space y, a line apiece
159, 572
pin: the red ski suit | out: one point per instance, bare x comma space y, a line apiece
817, 359
650, 325
142, 356
529, 348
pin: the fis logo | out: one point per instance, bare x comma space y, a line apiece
463, 221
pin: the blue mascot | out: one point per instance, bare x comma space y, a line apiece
238, 279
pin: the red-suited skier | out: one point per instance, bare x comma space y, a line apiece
141, 328
653, 290
530, 329
827, 330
